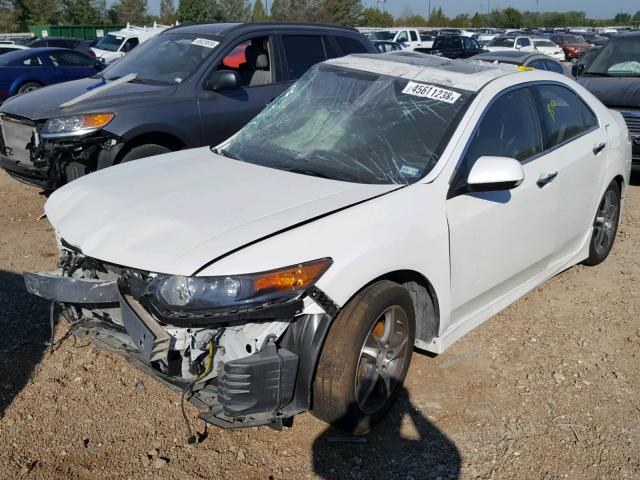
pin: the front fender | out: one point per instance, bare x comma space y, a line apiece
403, 230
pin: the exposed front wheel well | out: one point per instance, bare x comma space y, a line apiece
620, 181
152, 138
425, 301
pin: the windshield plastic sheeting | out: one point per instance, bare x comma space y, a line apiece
353, 126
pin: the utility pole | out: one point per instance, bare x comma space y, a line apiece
488, 6
429, 16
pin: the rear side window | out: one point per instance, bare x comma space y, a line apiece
414, 36
553, 66
350, 45
590, 119
31, 62
302, 52
69, 59
562, 115
524, 42
509, 128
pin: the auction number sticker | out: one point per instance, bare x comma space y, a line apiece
431, 91
205, 42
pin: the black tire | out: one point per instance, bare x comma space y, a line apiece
143, 151
334, 386
604, 231
28, 87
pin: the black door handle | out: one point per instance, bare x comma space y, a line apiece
598, 148
546, 178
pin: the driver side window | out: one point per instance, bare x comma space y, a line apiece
402, 37
509, 128
252, 60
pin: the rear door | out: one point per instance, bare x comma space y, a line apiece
70, 65
499, 240
577, 147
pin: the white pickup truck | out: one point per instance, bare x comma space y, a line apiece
409, 37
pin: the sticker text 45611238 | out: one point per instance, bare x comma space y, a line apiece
431, 91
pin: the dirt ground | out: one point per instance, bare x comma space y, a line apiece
547, 389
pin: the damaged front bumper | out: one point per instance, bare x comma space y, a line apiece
261, 376
51, 163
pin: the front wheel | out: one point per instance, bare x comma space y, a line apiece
365, 358
144, 151
29, 87
605, 226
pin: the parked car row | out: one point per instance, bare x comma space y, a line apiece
235, 273
188, 86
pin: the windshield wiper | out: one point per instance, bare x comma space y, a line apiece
223, 152
311, 173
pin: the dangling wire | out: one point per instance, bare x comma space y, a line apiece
191, 438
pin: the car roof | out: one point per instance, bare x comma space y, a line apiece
510, 54
626, 35
222, 29
463, 74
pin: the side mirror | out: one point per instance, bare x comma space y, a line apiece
577, 69
493, 174
220, 80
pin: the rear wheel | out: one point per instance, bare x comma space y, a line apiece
29, 87
365, 358
605, 226
143, 151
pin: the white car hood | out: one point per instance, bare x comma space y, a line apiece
176, 212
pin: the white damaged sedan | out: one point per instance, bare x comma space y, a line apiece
384, 202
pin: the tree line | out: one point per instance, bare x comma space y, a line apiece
16, 15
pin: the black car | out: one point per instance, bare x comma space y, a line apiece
453, 46
613, 76
523, 59
63, 42
189, 86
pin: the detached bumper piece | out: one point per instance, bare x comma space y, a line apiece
52, 286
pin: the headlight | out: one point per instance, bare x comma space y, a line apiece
197, 295
75, 125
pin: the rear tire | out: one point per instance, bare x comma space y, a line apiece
365, 358
605, 226
143, 151
29, 87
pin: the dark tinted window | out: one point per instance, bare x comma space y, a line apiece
509, 128
590, 119
414, 36
6, 50
449, 42
350, 45
562, 117
302, 52
537, 64
69, 59
553, 66
130, 44
39, 43
31, 62
524, 42
467, 43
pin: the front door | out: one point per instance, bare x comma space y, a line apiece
223, 113
499, 240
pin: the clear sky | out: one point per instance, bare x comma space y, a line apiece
593, 8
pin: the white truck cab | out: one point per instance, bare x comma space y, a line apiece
114, 45
409, 37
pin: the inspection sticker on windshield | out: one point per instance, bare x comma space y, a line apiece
430, 91
205, 42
